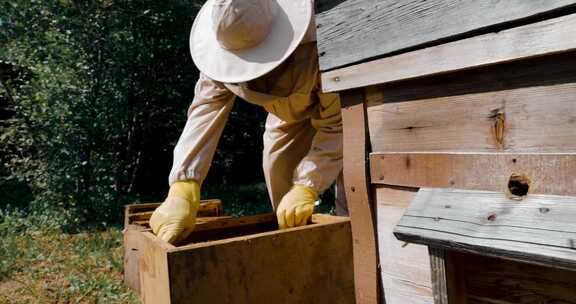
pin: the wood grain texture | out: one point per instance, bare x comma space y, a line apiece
488, 280
143, 212
199, 221
360, 205
153, 269
356, 30
131, 259
308, 264
547, 173
438, 261
136, 218
539, 229
537, 39
404, 268
536, 117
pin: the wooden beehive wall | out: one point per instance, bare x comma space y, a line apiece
468, 130
471, 130
458, 94
354, 31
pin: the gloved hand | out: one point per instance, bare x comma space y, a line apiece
296, 206
175, 218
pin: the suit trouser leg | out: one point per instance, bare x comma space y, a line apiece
285, 145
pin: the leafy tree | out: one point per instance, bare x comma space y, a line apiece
93, 97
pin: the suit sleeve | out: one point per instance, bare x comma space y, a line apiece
323, 163
207, 117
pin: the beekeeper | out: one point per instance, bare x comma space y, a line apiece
263, 51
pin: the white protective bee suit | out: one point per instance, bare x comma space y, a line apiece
303, 135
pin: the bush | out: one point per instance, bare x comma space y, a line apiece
93, 98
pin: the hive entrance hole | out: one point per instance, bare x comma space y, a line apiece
518, 185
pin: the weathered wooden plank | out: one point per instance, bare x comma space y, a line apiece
199, 221
356, 30
404, 268
153, 269
143, 212
522, 116
438, 261
486, 280
538, 39
539, 229
131, 244
360, 207
546, 173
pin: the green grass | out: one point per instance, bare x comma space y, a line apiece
41, 264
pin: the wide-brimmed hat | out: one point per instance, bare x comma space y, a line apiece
236, 41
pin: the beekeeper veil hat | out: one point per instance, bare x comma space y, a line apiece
235, 41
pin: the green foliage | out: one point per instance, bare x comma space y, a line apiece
93, 97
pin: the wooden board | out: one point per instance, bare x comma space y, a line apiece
309, 264
360, 204
404, 268
531, 103
547, 173
136, 218
153, 268
131, 244
537, 39
447, 277
142, 212
357, 30
486, 280
539, 229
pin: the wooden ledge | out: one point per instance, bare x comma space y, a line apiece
537, 229
528, 41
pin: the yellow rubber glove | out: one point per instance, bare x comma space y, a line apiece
296, 206
175, 218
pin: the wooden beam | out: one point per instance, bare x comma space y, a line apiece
438, 261
357, 30
523, 117
538, 39
142, 212
546, 173
357, 195
539, 229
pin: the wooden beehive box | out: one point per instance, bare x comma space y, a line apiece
136, 217
248, 260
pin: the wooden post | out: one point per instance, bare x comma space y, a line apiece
360, 205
